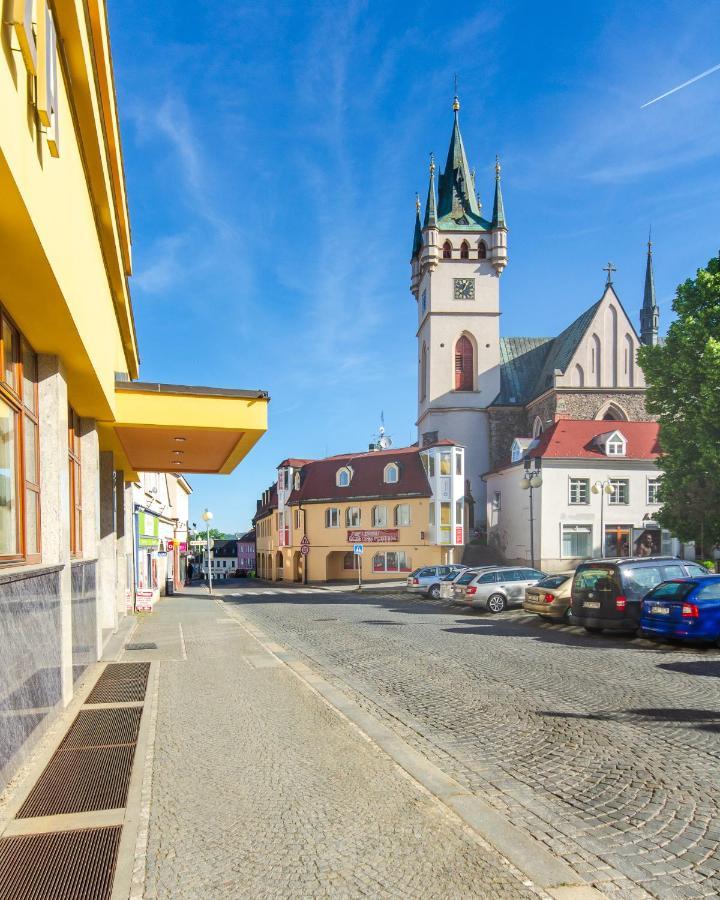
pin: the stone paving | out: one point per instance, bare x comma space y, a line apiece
605, 749
262, 790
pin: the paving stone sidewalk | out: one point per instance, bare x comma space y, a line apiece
261, 790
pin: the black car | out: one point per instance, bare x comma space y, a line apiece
608, 593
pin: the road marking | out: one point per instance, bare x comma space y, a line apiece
182, 642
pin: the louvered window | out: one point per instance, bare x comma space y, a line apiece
463, 364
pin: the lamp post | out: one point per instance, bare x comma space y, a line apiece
531, 480
207, 518
602, 488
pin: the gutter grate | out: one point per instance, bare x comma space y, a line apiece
121, 683
81, 780
62, 865
103, 727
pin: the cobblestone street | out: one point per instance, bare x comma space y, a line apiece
605, 749
260, 789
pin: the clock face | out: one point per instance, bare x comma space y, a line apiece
464, 288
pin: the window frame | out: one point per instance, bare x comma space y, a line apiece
575, 528
379, 516
329, 516
651, 491
612, 498
574, 483
350, 510
391, 467
398, 523
343, 470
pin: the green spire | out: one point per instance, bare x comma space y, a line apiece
498, 219
430, 212
456, 186
417, 237
650, 312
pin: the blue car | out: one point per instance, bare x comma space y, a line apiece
686, 608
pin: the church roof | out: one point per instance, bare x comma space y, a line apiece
528, 364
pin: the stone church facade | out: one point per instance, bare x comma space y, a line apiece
483, 390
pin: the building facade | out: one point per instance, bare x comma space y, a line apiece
483, 390
77, 426
246, 551
598, 496
404, 506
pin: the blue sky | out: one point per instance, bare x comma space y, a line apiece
273, 152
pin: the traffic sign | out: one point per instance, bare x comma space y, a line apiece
305, 542
358, 549
305, 549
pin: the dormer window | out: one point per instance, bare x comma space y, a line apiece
343, 477
392, 474
614, 443
516, 451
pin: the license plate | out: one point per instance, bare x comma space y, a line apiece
660, 610
592, 604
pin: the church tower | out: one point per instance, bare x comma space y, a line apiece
457, 259
650, 312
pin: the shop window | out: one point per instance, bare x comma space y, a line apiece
75, 471
617, 540
350, 561
576, 541
391, 561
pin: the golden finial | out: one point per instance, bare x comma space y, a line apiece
432, 163
417, 203
497, 165
456, 101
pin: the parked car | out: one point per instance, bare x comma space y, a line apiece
433, 587
685, 608
550, 597
608, 593
447, 583
497, 588
420, 579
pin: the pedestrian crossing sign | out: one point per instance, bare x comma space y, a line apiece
358, 549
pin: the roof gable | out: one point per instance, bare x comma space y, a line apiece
586, 438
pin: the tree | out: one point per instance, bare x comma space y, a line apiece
683, 377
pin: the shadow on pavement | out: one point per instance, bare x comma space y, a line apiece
698, 719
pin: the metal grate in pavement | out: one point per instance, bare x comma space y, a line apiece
121, 683
64, 865
102, 727
81, 780
150, 645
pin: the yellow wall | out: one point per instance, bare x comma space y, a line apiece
63, 260
328, 545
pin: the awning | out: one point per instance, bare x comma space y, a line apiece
183, 429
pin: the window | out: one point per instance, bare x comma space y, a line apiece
482, 250
423, 372
332, 517
297, 518
497, 501
352, 516
391, 474
459, 511
392, 561
379, 516
445, 463
579, 490
350, 561
431, 465
576, 541
464, 250
537, 427
464, 375
458, 462
402, 515
75, 482
447, 250
615, 445
710, 591
653, 488
445, 523
617, 541
487, 578
621, 494
297, 481
342, 478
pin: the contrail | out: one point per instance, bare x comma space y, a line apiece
681, 86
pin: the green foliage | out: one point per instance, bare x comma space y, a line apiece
683, 376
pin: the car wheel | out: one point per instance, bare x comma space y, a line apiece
593, 629
496, 603
434, 592
567, 618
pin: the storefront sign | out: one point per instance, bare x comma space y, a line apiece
183, 546
147, 529
374, 536
458, 534
143, 601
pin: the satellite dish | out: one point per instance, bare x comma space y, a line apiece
384, 443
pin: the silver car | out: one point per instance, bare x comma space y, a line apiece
496, 589
447, 585
419, 581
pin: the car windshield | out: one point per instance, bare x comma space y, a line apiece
451, 576
553, 581
466, 577
672, 590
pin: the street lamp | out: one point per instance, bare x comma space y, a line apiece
207, 518
602, 488
531, 480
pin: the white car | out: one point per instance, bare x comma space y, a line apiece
422, 580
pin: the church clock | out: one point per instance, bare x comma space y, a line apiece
464, 288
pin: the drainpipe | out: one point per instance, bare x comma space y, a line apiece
305, 559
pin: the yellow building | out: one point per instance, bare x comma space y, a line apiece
405, 506
75, 424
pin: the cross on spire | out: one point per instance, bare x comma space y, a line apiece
609, 268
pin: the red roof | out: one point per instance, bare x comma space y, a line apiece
295, 463
318, 479
575, 439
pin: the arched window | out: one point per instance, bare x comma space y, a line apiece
612, 412
379, 516
402, 515
611, 336
343, 476
464, 250
578, 376
630, 360
423, 372
537, 427
596, 360
391, 474
352, 517
482, 250
447, 250
464, 364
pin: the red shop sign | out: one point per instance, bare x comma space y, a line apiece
374, 536
458, 534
